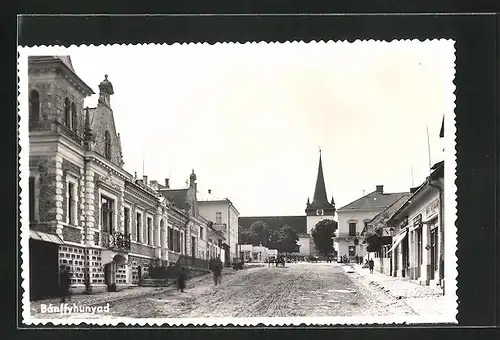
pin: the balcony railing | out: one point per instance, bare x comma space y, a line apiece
115, 241
346, 234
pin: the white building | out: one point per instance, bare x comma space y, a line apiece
355, 216
260, 254
225, 217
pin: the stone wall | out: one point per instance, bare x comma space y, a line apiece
72, 234
47, 186
142, 249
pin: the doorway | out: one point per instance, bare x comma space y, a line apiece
405, 264
44, 269
433, 250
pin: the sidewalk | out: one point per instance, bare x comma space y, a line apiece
101, 299
424, 300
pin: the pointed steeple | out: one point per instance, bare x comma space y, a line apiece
320, 200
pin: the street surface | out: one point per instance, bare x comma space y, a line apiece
300, 289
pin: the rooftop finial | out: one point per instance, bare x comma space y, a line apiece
106, 76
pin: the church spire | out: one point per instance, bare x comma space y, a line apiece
320, 199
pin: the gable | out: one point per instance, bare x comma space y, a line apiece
101, 120
373, 200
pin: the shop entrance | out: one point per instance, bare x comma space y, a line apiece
44, 269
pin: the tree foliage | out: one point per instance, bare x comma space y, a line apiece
323, 234
373, 240
257, 234
285, 240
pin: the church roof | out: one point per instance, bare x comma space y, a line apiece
298, 223
320, 200
373, 200
441, 132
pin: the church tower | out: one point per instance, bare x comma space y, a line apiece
320, 208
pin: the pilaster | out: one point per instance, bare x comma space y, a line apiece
58, 201
89, 208
156, 233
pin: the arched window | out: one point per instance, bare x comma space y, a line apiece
34, 106
74, 119
107, 145
67, 113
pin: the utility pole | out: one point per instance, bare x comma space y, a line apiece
429, 148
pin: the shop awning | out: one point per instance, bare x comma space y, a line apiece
398, 240
41, 236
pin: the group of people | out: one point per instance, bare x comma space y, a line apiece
280, 260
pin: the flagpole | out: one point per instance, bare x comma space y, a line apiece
429, 148
412, 176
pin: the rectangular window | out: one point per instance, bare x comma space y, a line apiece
170, 239
352, 251
352, 229
126, 220
178, 241
182, 244
32, 198
149, 236
138, 227
218, 217
201, 233
71, 205
107, 221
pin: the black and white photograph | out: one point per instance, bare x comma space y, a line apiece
244, 184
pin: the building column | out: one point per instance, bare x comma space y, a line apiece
89, 208
425, 253
157, 233
81, 205
120, 205
58, 201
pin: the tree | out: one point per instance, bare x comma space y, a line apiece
323, 234
286, 240
259, 233
244, 236
373, 240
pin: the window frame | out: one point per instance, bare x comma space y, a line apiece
67, 113
218, 217
149, 230
126, 227
73, 180
107, 145
32, 101
36, 196
139, 216
350, 224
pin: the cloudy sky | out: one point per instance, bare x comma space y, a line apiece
249, 118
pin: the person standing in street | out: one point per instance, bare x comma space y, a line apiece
64, 282
181, 280
371, 264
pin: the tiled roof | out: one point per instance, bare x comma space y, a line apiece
298, 223
177, 196
386, 214
373, 200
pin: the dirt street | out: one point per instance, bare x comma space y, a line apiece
301, 289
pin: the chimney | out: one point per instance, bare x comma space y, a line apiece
154, 184
145, 179
380, 189
166, 183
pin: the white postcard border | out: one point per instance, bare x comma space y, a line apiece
451, 264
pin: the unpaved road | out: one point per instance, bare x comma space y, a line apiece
301, 289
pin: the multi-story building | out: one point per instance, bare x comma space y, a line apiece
224, 216
355, 216
416, 250
85, 210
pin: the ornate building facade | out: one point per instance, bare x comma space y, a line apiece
86, 211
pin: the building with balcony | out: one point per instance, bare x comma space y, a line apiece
85, 210
355, 216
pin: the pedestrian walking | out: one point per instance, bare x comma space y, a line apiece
64, 282
371, 264
181, 280
217, 271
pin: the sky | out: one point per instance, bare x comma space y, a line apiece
250, 118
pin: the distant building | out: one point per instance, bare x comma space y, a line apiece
316, 211
250, 253
224, 216
355, 216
